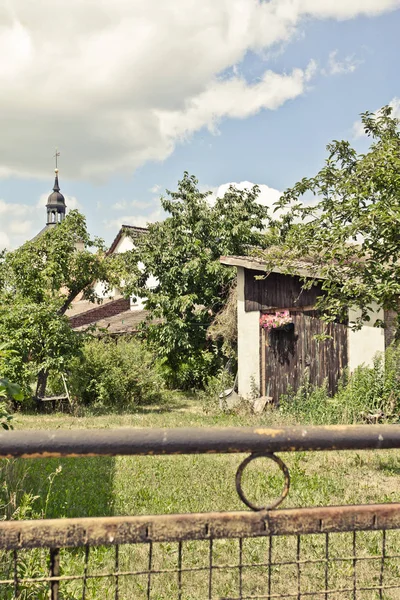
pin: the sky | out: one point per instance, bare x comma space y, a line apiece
134, 93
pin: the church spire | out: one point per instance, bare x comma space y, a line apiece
56, 202
56, 187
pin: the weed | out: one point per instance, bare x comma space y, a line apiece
369, 394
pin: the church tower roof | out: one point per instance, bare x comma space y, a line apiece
55, 206
56, 197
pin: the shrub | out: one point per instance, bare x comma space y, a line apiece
116, 375
189, 373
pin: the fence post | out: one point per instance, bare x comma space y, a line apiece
54, 572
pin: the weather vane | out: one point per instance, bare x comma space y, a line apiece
57, 154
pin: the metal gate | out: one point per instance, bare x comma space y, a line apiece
322, 552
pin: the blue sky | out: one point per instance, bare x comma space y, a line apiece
176, 112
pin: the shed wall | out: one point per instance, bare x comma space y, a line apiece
365, 343
279, 291
248, 342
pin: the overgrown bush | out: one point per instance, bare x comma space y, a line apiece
116, 375
8, 391
189, 373
224, 325
369, 394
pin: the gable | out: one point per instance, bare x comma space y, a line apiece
124, 242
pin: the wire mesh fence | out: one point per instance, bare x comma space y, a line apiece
348, 552
340, 553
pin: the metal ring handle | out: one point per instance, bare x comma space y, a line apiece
283, 468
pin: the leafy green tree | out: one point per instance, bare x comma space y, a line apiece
350, 229
8, 390
38, 282
182, 253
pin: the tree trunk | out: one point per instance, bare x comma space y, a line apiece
42, 383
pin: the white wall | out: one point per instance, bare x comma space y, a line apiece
365, 343
101, 292
248, 343
124, 245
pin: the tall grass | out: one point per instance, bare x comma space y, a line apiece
369, 394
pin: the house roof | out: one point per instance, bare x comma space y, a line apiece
82, 306
134, 232
302, 268
125, 322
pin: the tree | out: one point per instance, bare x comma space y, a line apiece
350, 231
38, 282
182, 253
8, 390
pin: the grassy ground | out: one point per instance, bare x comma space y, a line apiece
156, 485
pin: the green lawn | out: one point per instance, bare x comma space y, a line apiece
156, 485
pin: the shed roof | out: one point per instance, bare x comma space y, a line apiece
301, 268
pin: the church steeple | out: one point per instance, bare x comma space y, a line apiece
56, 202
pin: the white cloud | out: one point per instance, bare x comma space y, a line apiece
20, 222
4, 241
155, 189
137, 220
141, 204
358, 129
20, 227
346, 9
234, 98
116, 83
121, 205
341, 67
267, 197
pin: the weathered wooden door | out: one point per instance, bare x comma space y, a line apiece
287, 356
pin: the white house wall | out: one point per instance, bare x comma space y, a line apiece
248, 343
125, 244
365, 343
101, 291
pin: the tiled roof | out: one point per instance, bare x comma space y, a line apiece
82, 306
125, 322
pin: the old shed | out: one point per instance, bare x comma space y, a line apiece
272, 359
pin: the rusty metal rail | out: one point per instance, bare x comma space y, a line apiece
325, 553
112, 442
99, 531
